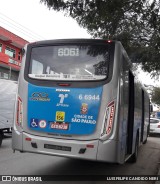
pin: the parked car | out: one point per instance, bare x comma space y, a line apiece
154, 126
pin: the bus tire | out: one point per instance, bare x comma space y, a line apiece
1, 138
134, 157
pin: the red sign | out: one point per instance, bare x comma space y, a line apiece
60, 126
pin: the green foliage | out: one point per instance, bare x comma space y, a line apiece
136, 23
156, 96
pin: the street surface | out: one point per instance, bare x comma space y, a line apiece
34, 164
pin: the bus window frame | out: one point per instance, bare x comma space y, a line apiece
79, 83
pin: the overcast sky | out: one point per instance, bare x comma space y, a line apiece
33, 21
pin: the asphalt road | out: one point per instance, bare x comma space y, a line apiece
33, 164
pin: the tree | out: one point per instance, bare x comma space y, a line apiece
156, 95
136, 23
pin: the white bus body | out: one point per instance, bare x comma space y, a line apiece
80, 99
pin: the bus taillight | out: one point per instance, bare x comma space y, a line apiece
111, 107
109, 118
19, 112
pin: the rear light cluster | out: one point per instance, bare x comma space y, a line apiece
90, 146
109, 41
109, 118
158, 126
19, 112
28, 139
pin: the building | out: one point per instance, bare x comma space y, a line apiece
10, 54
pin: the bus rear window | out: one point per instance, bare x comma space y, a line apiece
69, 62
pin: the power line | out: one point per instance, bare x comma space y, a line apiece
18, 29
23, 29
32, 38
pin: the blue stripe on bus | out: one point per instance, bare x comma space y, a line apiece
63, 110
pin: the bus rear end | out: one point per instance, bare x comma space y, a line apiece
66, 100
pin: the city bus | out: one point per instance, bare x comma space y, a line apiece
80, 98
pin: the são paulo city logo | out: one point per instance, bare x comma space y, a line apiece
84, 108
40, 96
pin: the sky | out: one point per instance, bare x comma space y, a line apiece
38, 22
33, 21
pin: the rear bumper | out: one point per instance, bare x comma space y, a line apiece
90, 150
20, 143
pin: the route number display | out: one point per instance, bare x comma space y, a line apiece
68, 52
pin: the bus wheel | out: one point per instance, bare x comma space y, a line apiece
1, 138
134, 157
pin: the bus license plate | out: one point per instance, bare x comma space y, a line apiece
60, 126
